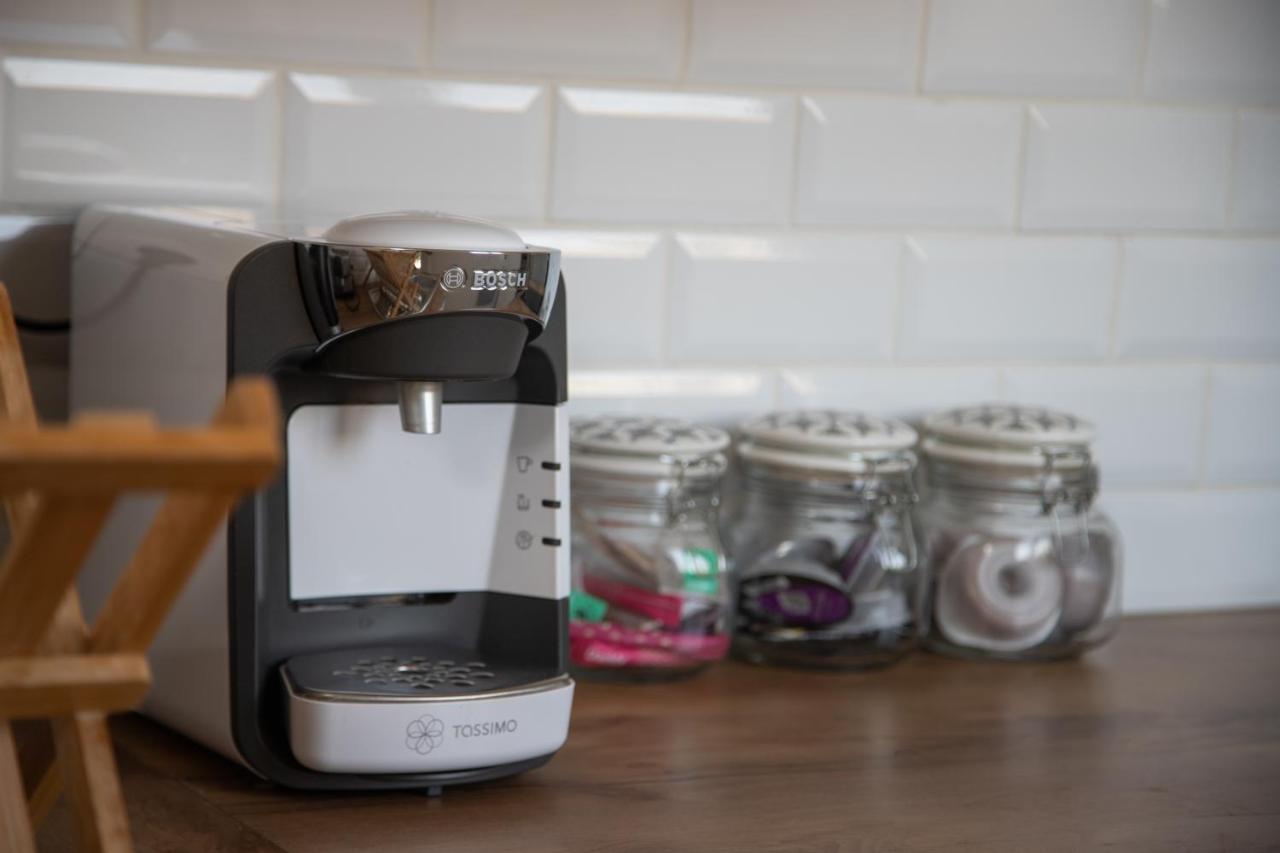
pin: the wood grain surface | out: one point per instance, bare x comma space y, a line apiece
1168, 739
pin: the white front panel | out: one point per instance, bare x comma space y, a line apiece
374, 510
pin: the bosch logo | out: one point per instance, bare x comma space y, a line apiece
499, 280
424, 734
453, 278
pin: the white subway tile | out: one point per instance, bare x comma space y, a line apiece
1244, 424
1007, 297
1126, 167
889, 161
854, 43
375, 142
758, 298
1198, 550
1255, 188
622, 38
104, 131
1200, 297
1149, 417
372, 32
614, 281
1220, 49
722, 397
104, 23
905, 392
1048, 47
683, 156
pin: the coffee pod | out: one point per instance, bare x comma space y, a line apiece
999, 594
794, 591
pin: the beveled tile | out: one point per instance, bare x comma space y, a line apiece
672, 156
369, 143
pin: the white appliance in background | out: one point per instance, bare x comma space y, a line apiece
391, 612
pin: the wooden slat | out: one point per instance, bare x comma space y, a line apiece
88, 769
158, 571
56, 685
178, 537
15, 828
79, 460
16, 405
17, 408
55, 541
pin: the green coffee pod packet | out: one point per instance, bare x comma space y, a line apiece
585, 607
700, 569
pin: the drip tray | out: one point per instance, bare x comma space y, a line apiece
421, 709
407, 672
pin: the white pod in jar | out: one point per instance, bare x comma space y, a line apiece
1026, 567
1002, 595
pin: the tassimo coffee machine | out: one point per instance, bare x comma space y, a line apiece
391, 612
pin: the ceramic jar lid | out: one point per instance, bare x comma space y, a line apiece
1009, 436
825, 440
647, 447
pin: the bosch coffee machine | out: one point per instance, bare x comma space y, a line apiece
391, 612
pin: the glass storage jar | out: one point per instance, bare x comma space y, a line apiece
1024, 567
650, 596
823, 547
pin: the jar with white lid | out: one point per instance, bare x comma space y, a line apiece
650, 597
1024, 566
823, 546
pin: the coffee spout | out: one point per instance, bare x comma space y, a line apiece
420, 407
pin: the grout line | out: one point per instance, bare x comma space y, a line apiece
686, 49
280, 82
797, 137
553, 118
138, 38
922, 40
898, 310
1206, 414
1020, 175
1144, 49
665, 300
1233, 166
428, 28
1117, 284
216, 60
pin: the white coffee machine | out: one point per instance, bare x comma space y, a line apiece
391, 611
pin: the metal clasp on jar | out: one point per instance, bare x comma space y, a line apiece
896, 547
1056, 492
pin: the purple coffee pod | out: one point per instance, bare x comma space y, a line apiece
791, 591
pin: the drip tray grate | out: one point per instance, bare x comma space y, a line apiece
410, 673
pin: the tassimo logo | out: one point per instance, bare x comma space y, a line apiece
498, 280
495, 727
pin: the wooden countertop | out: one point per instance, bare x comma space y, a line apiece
1167, 739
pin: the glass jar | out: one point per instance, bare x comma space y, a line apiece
823, 546
1024, 567
650, 597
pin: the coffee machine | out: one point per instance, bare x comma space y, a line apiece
391, 611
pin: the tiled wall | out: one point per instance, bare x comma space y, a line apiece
888, 204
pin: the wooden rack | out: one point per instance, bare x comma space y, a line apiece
59, 483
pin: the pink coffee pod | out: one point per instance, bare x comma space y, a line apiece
602, 653
701, 647
666, 609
